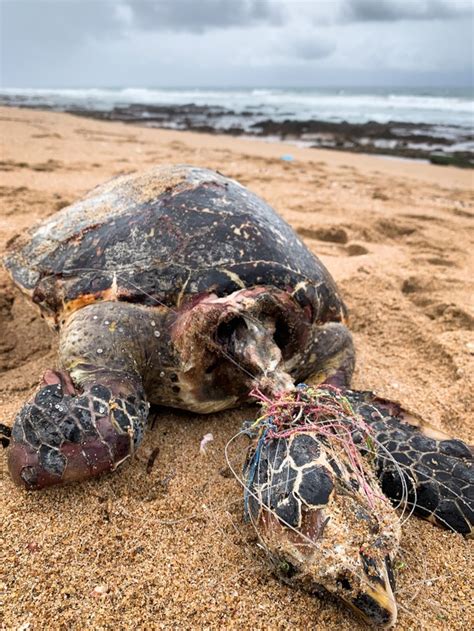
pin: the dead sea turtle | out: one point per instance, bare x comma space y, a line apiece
180, 287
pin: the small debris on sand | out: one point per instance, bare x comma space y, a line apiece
206, 439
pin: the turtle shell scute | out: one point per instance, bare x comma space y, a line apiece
288, 511
303, 449
316, 486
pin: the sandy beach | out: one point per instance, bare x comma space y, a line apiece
165, 546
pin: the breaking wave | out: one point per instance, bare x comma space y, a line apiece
455, 107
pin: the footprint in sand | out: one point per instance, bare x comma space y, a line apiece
426, 218
425, 292
378, 194
462, 213
50, 165
12, 191
450, 316
330, 234
10, 165
416, 286
394, 229
356, 249
381, 320
441, 262
21, 200
46, 136
333, 235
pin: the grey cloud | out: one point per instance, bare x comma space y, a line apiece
199, 16
395, 10
39, 38
312, 48
74, 43
33, 33
66, 24
63, 22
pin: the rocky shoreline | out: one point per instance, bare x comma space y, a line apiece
418, 141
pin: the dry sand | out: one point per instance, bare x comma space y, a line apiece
402, 241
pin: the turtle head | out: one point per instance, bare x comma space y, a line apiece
324, 528
231, 345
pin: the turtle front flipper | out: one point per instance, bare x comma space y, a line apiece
89, 417
418, 466
63, 436
328, 356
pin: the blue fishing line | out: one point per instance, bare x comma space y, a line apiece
253, 464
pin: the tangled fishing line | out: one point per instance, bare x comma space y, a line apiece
326, 412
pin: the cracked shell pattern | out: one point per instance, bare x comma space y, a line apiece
58, 437
438, 475
291, 474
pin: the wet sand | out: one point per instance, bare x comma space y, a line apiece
167, 548
451, 144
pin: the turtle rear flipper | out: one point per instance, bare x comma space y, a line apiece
419, 466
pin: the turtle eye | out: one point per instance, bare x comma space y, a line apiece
212, 367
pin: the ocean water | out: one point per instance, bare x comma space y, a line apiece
441, 107
427, 120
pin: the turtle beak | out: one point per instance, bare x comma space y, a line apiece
376, 604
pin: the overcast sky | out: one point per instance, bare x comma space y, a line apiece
145, 43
